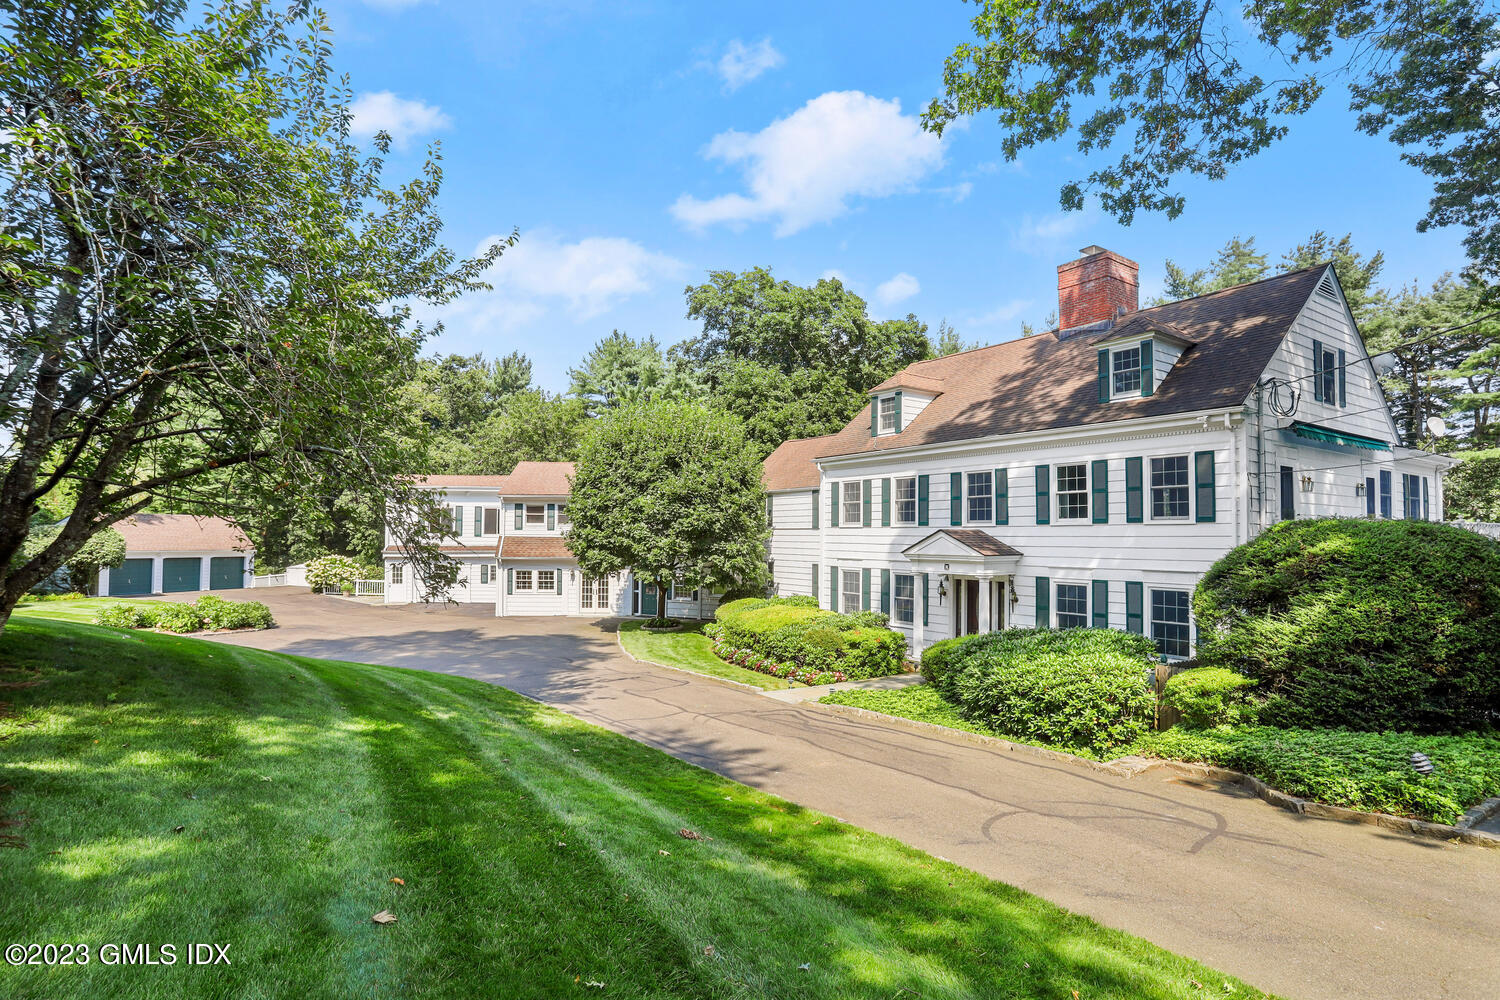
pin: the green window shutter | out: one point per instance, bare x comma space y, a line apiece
520, 516
874, 415
552, 519
1426, 501
1343, 389
833, 508
922, 500
1002, 496
833, 588
885, 502
898, 411
956, 498
478, 520
1100, 475
864, 589
510, 581
1101, 604
865, 493
885, 591
1317, 367
1148, 369
1203, 468
816, 501
1043, 494
1135, 500
1135, 600
557, 585
924, 600
1043, 602
815, 581
1104, 375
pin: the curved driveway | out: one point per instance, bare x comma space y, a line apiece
1302, 907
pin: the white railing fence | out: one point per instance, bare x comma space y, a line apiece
369, 588
269, 580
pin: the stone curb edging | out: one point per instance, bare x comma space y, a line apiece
691, 673
1129, 767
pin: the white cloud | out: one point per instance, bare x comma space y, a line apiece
1045, 235
804, 169
402, 119
958, 192
742, 63
898, 289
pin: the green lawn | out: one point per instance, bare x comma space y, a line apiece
691, 650
1368, 771
82, 610
171, 790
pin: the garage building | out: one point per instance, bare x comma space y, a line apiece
178, 553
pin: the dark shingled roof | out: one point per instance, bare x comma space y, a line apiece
1042, 382
982, 542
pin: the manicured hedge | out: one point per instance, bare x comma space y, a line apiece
1370, 771
210, 612
1210, 696
1371, 625
1070, 688
794, 630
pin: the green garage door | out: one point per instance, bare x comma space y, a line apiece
226, 573
178, 575
131, 579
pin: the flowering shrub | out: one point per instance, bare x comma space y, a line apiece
751, 660
335, 571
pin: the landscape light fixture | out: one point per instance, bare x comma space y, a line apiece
1421, 763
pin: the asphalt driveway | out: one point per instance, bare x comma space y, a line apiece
1301, 907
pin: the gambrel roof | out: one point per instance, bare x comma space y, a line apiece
1049, 382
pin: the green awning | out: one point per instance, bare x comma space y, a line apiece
1315, 433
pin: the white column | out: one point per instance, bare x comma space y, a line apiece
984, 604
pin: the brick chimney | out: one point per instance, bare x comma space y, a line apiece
1097, 286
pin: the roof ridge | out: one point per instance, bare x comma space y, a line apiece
1231, 288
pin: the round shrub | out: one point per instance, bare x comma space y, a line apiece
1370, 625
938, 658
335, 571
178, 618
217, 613
1208, 696
742, 604
1083, 689
117, 616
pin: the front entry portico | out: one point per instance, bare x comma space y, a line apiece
973, 569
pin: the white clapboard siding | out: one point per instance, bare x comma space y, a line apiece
794, 544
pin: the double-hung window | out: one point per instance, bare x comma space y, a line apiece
492, 520
854, 503
1072, 605
1169, 621
1330, 377
546, 579
562, 515
905, 599
888, 414
1073, 491
1127, 371
906, 500
981, 497
850, 590
536, 514
1169, 486
523, 579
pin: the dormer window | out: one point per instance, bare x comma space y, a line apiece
885, 414
888, 415
1126, 363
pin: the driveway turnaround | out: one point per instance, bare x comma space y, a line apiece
1301, 907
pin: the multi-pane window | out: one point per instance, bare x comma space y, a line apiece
1169, 486
594, 593
1330, 376
1072, 605
484, 573
887, 414
546, 579
1127, 371
981, 497
492, 520
854, 503
906, 500
905, 598
1169, 621
536, 513
1072, 491
523, 579
562, 515
850, 591
395, 572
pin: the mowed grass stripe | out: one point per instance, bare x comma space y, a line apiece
529, 842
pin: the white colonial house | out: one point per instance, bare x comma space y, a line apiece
510, 535
1090, 475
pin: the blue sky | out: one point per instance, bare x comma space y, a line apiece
638, 146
